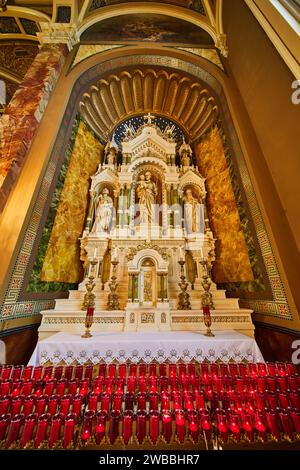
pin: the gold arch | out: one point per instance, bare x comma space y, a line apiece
132, 92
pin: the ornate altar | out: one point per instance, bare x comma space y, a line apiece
148, 241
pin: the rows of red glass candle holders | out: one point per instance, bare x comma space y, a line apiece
185, 400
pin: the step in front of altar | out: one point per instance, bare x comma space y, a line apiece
114, 321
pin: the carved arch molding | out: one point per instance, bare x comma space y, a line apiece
132, 92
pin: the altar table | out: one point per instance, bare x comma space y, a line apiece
64, 348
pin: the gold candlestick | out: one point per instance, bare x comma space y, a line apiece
113, 298
206, 299
183, 296
89, 302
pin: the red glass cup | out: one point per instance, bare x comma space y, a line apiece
290, 368
188, 401
6, 372
200, 400
72, 386
260, 426
272, 400
234, 425
102, 370
261, 401
286, 423
142, 384
16, 387
262, 369
141, 401
182, 369
88, 372
83, 387
283, 400
40, 404
27, 433
281, 371
253, 372
4, 404
105, 402
16, 405
272, 421
271, 384
87, 426
141, 425
58, 372
5, 386
222, 425
295, 416
165, 401
154, 425
293, 383
117, 401
37, 373
272, 369
131, 381
112, 370
247, 426
205, 424
162, 370
100, 426
114, 426
55, 429
61, 387
47, 373
129, 400
172, 370
38, 388
17, 372
176, 401
14, 430
122, 370
120, 384
180, 425
133, 370
127, 425
4, 423
53, 403
243, 369
261, 384
68, 433
282, 383
68, 372
98, 385
76, 405
152, 370
65, 403
93, 401
153, 384
153, 401
29, 402
193, 425
241, 385
294, 399
49, 387
27, 372
167, 425
233, 369
41, 430
79, 372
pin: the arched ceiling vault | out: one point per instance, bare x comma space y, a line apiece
128, 93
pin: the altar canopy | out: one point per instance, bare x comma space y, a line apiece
229, 346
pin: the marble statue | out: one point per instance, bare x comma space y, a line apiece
191, 206
185, 153
146, 192
103, 212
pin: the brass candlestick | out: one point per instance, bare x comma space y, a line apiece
183, 296
113, 298
206, 299
89, 302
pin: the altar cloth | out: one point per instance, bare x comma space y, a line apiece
173, 346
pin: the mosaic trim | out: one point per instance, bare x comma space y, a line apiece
209, 54
278, 308
87, 50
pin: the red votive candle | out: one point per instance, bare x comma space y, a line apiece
133, 370
28, 404
88, 372
141, 401
27, 433
129, 399
164, 383
41, 430
281, 369
76, 405
153, 384
102, 370
112, 370
172, 370
180, 425
272, 421
68, 372
152, 370
114, 426
222, 426
261, 384
234, 426
293, 383
283, 400
100, 426
282, 383
286, 424
49, 387
141, 425
131, 384
205, 424
93, 401
261, 401
142, 370
72, 387
27, 372
16, 405
4, 423
154, 425
248, 428
87, 425
55, 429
142, 384
16, 388
58, 372
122, 370
105, 402
153, 401
97, 385
79, 372
61, 387
193, 425
188, 401
243, 369
241, 385
162, 370
290, 368
83, 387
165, 401
4, 404
177, 400
40, 404
16, 373
120, 384
253, 372
272, 369
37, 373
260, 426
6, 372
65, 404
38, 388
271, 384
200, 400
5, 386
117, 401
294, 399
233, 369
295, 415
167, 425
108, 385
14, 429
69, 430
262, 369
47, 373
53, 402
127, 425
272, 400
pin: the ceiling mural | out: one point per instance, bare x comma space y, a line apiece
147, 28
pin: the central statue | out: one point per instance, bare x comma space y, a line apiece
146, 192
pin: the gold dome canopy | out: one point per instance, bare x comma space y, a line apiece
132, 92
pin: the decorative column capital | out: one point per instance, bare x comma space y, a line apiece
59, 33
221, 44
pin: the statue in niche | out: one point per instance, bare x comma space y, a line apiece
103, 212
146, 192
185, 153
191, 212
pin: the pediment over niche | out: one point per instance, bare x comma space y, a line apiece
105, 176
192, 178
147, 142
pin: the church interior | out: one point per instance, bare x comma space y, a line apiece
149, 224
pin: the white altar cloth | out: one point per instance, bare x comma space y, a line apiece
155, 346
